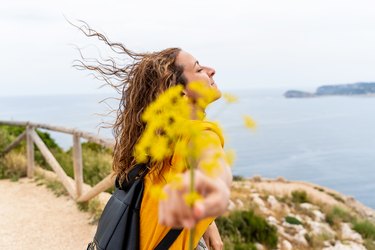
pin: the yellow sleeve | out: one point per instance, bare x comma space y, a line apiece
151, 232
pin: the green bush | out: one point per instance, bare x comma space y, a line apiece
238, 178
292, 220
336, 197
8, 134
365, 228
97, 160
337, 215
244, 246
243, 228
299, 196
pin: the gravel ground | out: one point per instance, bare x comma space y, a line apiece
32, 217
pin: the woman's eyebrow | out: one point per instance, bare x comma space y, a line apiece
196, 63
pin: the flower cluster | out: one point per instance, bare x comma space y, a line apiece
171, 132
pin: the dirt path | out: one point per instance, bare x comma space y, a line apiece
32, 217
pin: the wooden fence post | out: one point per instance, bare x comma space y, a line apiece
30, 152
77, 163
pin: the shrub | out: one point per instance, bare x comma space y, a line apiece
13, 166
8, 134
96, 165
337, 215
238, 178
299, 196
57, 187
292, 220
369, 244
316, 241
243, 228
365, 228
336, 197
93, 207
97, 160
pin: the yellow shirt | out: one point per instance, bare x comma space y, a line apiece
151, 232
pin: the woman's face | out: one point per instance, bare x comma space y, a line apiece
193, 71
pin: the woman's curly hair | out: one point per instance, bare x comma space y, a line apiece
139, 83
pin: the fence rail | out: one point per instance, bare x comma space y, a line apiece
75, 189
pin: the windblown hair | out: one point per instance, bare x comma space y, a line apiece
139, 83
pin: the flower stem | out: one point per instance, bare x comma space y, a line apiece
192, 230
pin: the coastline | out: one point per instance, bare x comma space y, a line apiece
280, 186
306, 215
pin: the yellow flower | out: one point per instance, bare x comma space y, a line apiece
211, 167
249, 122
229, 98
191, 198
157, 192
160, 150
230, 156
175, 180
201, 93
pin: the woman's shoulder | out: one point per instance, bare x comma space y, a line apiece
206, 125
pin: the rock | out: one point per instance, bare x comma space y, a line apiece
257, 178
348, 234
231, 205
281, 179
296, 227
319, 215
307, 206
350, 199
272, 220
286, 245
257, 200
347, 246
300, 237
274, 204
264, 211
259, 246
260, 203
239, 203
285, 208
319, 228
327, 243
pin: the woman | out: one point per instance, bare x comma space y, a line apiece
140, 83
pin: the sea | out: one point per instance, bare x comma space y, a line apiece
329, 140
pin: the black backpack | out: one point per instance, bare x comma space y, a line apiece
118, 227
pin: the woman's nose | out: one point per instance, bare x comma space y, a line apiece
210, 71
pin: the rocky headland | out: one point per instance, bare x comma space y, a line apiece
361, 88
305, 215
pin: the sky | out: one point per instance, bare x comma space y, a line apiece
299, 44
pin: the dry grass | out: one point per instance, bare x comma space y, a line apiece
13, 166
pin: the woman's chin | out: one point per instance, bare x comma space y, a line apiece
217, 94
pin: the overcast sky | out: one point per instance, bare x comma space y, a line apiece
250, 43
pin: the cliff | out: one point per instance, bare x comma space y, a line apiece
306, 216
361, 88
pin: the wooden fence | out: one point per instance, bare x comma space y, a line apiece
75, 189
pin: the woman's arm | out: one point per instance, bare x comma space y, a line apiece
215, 190
212, 237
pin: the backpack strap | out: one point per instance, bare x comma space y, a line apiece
168, 239
138, 171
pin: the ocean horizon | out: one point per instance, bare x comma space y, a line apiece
328, 141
